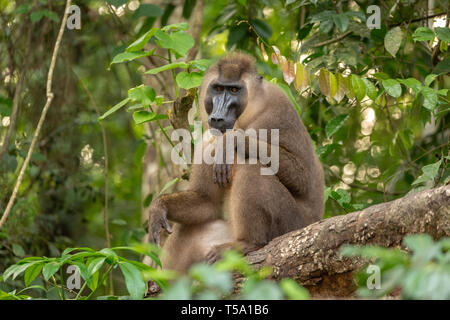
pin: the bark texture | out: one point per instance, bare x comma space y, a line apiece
311, 255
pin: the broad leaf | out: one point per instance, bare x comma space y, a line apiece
335, 124
142, 41
145, 116
392, 87
187, 80
358, 86
179, 41
393, 40
423, 34
134, 281
443, 34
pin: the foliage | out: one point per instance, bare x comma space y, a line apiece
423, 272
93, 267
202, 282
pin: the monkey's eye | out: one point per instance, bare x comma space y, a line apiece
235, 89
219, 88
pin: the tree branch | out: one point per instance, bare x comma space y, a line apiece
311, 255
49, 94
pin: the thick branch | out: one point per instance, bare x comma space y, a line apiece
311, 255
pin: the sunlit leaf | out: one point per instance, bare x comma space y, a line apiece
335, 124
393, 40
392, 87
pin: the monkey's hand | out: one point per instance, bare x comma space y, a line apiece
222, 174
157, 221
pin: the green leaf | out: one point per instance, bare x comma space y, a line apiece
148, 10
179, 41
301, 77
429, 172
392, 87
393, 40
341, 87
429, 79
145, 116
95, 265
430, 98
342, 197
358, 87
32, 272
200, 64
341, 21
262, 28
114, 109
324, 82
211, 277
333, 85
443, 67
323, 151
443, 34
130, 56
381, 76
371, 90
411, 83
293, 290
18, 250
135, 283
142, 41
423, 34
180, 290
50, 269
187, 80
38, 15
169, 66
261, 290
335, 124
144, 94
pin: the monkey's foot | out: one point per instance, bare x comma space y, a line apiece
215, 253
153, 289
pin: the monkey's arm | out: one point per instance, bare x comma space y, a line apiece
189, 207
199, 204
290, 169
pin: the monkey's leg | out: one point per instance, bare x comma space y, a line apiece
260, 209
189, 244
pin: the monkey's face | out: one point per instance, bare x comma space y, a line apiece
224, 103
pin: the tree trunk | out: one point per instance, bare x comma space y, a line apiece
311, 255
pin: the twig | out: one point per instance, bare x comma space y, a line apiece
324, 43
50, 96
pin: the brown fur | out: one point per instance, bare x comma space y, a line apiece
259, 207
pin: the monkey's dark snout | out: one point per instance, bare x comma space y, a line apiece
216, 120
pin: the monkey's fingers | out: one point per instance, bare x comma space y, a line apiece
229, 166
156, 234
166, 226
